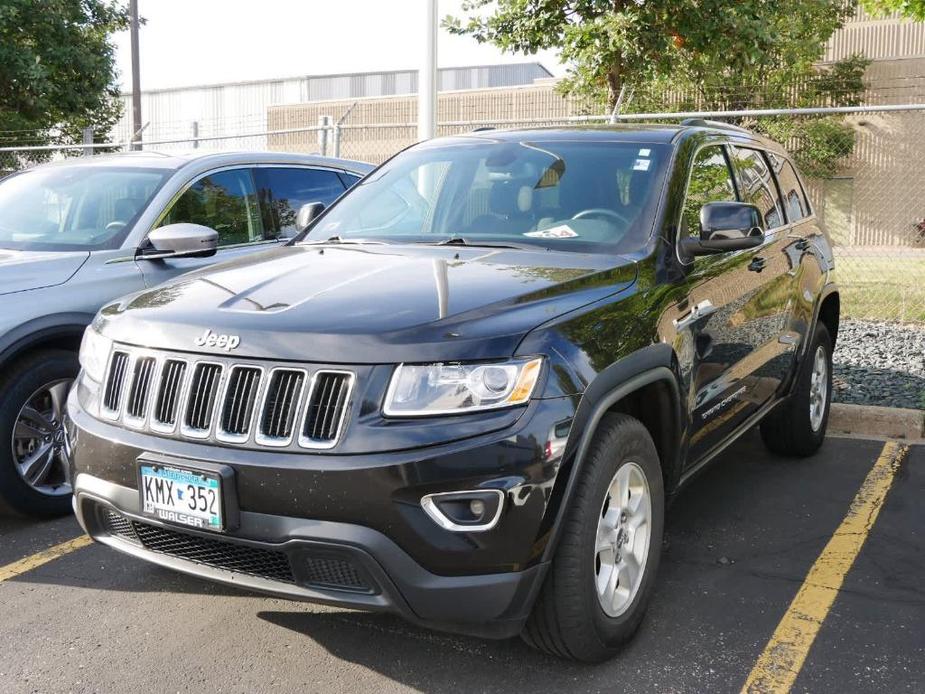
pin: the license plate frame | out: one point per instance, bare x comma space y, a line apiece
212, 475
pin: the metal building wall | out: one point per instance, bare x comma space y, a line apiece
877, 38
242, 107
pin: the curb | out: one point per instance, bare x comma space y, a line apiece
880, 422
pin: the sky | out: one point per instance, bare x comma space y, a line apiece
193, 42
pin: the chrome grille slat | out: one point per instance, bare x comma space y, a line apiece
280, 406
142, 375
238, 404
201, 399
326, 409
112, 395
168, 395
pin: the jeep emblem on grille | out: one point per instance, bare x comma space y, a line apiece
210, 339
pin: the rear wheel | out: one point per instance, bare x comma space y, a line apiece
797, 427
33, 450
601, 578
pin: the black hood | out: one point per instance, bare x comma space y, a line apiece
370, 303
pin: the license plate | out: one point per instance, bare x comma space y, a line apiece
177, 495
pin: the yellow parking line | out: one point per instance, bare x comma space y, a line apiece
46, 555
780, 663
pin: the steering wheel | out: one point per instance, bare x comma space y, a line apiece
115, 226
602, 212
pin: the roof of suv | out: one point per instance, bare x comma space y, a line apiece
178, 160
623, 132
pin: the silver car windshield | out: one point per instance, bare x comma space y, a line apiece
583, 195
73, 207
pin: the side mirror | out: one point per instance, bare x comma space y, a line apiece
307, 214
725, 226
182, 240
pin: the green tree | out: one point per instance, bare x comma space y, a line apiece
678, 55
57, 71
910, 9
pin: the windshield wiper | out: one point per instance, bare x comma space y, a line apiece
461, 241
342, 241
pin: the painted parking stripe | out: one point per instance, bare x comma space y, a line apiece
783, 657
20, 567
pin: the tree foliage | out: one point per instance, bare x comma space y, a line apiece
57, 70
910, 9
676, 55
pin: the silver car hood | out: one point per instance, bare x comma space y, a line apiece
24, 270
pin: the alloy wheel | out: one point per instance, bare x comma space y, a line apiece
818, 388
40, 450
624, 529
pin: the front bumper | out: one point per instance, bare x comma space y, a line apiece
345, 530
319, 561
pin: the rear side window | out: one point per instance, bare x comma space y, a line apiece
283, 191
225, 201
756, 186
794, 198
710, 181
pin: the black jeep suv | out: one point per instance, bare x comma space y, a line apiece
465, 392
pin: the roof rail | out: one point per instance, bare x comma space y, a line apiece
704, 123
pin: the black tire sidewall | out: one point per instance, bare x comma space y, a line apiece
624, 440
21, 380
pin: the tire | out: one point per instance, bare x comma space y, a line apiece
40, 381
791, 429
569, 618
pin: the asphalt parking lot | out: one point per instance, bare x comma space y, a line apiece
740, 542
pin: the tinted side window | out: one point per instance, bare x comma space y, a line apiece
756, 185
225, 201
794, 197
710, 181
283, 191
348, 179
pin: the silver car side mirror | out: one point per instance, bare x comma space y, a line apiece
182, 240
307, 214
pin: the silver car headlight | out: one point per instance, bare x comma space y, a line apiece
433, 389
94, 354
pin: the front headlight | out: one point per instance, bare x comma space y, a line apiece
94, 354
433, 389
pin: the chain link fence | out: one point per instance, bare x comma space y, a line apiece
868, 194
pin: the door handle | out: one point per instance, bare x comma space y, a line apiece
704, 308
801, 244
757, 264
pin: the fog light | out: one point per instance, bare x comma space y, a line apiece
472, 511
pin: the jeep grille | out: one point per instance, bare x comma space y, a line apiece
226, 401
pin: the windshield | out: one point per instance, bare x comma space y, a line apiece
73, 208
566, 195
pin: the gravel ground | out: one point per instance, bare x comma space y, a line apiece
880, 364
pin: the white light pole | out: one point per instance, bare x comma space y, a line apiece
427, 75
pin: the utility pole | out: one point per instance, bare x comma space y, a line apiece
136, 72
427, 75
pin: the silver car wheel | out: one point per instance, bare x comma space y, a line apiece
624, 529
40, 451
818, 388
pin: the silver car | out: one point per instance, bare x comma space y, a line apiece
77, 234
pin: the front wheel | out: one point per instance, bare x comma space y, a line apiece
797, 427
601, 578
33, 450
